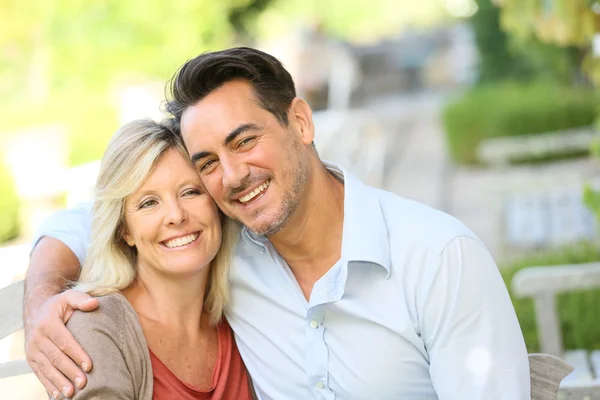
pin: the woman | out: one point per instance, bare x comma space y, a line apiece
159, 258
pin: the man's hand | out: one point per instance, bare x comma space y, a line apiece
52, 352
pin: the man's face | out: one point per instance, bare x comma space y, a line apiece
253, 167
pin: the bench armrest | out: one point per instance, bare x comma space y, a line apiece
532, 281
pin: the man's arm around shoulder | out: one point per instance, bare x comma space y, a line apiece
52, 352
122, 367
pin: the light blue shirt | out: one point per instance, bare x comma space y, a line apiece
414, 309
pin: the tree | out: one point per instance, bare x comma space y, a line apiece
497, 61
88, 44
566, 23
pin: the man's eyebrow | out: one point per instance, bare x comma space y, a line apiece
238, 131
232, 135
198, 156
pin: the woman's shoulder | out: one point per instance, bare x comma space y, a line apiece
112, 336
114, 321
112, 313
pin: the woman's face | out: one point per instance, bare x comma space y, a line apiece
171, 219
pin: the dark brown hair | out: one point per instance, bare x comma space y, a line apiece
272, 84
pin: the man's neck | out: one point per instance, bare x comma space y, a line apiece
311, 242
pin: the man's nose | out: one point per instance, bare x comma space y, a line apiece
234, 173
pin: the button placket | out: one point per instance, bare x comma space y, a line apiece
317, 353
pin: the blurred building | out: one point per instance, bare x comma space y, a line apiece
333, 74
441, 59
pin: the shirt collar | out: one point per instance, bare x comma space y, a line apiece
364, 235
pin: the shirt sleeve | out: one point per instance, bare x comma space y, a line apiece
470, 329
72, 227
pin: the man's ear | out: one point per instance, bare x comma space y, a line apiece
301, 115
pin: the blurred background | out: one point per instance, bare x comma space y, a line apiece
485, 109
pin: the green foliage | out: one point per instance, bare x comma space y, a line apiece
564, 22
509, 48
578, 310
559, 23
9, 206
497, 61
90, 130
354, 20
90, 44
592, 199
510, 109
241, 16
89, 119
549, 61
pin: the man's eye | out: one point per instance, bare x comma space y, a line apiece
245, 141
207, 164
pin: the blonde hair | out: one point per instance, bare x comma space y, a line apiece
111, 263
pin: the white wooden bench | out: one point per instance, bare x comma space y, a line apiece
503, 150
11, 311
546, 372
555, 217
543, 284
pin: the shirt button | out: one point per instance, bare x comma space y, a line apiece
314, 324
320, 385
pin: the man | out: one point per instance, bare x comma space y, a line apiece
339, 290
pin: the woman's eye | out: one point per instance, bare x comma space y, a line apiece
148, 203
191, 192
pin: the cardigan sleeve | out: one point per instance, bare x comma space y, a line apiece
113, 339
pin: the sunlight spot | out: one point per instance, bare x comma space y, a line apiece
461, 8
479, 361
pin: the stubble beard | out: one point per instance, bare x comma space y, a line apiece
290, 200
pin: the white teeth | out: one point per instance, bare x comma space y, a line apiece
254, 193
182, 241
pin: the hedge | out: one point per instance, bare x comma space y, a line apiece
511, 109
579, 311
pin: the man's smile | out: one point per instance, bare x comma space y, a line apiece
254, 194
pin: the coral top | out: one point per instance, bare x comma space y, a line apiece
229, 382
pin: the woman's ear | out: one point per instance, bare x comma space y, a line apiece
127, 237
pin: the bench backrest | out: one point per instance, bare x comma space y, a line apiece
11, 320
546, 374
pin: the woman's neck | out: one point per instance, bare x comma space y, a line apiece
173, 300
